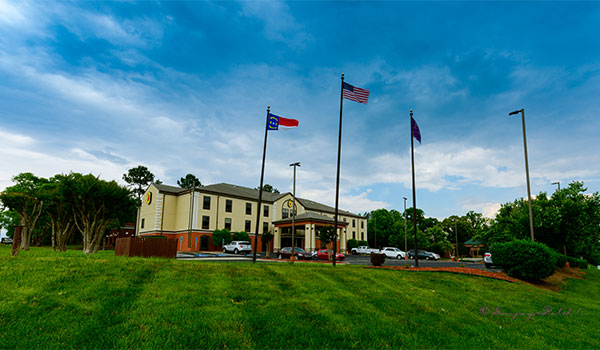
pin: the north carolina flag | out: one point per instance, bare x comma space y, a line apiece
275, 121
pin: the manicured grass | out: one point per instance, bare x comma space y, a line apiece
50, 300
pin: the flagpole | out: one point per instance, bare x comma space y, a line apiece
260, 189
412, 158
337, 180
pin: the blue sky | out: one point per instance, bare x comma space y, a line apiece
182, 87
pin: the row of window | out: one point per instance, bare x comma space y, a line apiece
229, 206
247, 226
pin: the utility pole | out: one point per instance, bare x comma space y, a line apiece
557, 183
297, 164
456, 234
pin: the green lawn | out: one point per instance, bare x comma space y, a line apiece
50, 300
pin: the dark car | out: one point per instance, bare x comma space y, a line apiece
422, 254
6, 240
299, 253
324, 255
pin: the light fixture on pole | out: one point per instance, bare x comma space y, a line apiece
522, 111
297, 164
557, 183
456, 235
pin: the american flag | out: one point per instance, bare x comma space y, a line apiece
355, 93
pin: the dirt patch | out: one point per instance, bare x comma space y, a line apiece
553, 283
557, 281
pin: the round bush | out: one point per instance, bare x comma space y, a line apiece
377, 259
526, 260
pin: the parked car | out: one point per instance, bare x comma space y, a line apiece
238, 247
324, 255
487, 260
6, 240
285, 253
393, 253
422, 254
432, 256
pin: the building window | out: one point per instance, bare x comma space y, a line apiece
266, 211
248, 224
206, 204
248, 208
353, 223
228, 224
228, 205
205, 221
285, 213
353, 235
143, 221
353, 232
362, 224
265, 227
363, 236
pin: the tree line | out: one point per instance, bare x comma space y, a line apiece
568, 221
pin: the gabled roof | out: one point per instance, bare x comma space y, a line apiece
240, 191
250, 193
312, 205
169, 189
473, 241
310, 216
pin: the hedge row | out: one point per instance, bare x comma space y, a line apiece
574, 262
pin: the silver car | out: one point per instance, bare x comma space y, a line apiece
238, 247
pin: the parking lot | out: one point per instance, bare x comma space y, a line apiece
350, 259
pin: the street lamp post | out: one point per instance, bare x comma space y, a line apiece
456, 235
522, 111
297, 164
405, 236
557, 183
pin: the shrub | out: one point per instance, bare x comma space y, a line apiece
574, 262
363, 243
526, 260
241, 236
377, 259
561, 259
220, 236
352, 243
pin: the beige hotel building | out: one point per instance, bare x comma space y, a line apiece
192, 216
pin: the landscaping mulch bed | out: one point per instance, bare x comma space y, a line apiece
461, 270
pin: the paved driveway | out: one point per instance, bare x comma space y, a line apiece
366, 260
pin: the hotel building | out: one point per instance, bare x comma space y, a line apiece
192, 215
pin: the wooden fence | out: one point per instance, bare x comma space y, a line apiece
150, 246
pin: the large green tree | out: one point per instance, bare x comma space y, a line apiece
138, 179
59, 210
568, 222
24, 198
189, 181
268, 188
96, 205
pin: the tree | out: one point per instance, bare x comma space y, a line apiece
326, 235
268, 188
24, 199
567, 222
221, 237
241, 236
189, 181
8, 220
59, 211
138, 178
266, 238
96, 205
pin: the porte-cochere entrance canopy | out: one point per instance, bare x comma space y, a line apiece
306, 235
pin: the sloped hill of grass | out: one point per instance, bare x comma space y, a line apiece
69, 300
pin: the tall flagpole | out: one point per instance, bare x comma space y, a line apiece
412, 158
260, 189
337, 180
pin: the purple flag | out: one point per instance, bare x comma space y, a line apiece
415, 130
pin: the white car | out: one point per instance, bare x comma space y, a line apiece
393, 253
238, 247
487, 259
